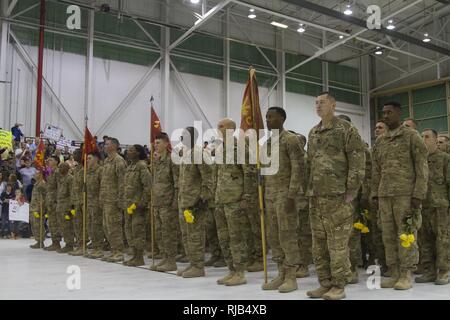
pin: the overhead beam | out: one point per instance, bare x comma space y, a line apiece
11, 7
363, 24
200, 22
147, 33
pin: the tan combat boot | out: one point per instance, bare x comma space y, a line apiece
335, 293
53, 247
95, 254
319, 292
66, 249
194, 272
116, 256
77, 252
442, 277
159, 264
405, 281
133, 254
426, 277
224, 280
237, 279
302, 271
138, 259
277, 281
256, 266
390, 282
168, 265
290, 280
180, 272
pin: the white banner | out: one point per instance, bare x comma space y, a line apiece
52, 132
19, 212
61, 144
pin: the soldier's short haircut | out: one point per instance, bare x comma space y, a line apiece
345, 117
432, 130
114, 141
163, 136
280, 111
395, 104
414, 121
56, 158
141, 151
329, 96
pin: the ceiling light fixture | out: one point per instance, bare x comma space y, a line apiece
301, 28
426, 38
348, 11
379, 52
252, 14
390, 26
279, 25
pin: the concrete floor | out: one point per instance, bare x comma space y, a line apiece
37, 274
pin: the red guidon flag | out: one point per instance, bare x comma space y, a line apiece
39, 158
90, 145
251, 117
155, 129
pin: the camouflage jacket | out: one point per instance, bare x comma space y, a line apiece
289, 178
399, 164
137, 184
195, 180
39, 191
336, 159
64, 192
112, 182
233, 180
165, 181
51, 188
93, 179
438, 194
77, 187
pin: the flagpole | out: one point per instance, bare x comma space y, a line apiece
84, 188
152, 222
258, 169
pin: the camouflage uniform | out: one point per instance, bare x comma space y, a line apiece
336, 167
64, 206
111, 194
39, 191
165, 193
53, 220
77, 203
235, 183
399, 173
434, 234
194, 189
137, 190
282, 224
94, 211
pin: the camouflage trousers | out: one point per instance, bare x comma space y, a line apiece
193, 235
66, 225
212, 239
375, 239
112, 225
354, 245
435, 239
54, 224
304, 232
78, 226
156, 234
393, 211
230, 221
168, 220
282, 230
252, 231
331, 224
95, 226
36, 227
135, 228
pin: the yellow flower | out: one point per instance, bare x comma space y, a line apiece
411, 238
73, 212
365, 230
36, 215
358, 225
188, 216
46, 215
67, 217
406, 244
131, 208
403, 237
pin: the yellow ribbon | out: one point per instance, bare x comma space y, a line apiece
131, 208
189, 216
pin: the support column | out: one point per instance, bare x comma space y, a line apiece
364, 71
40, 68
325, 86
226, 69
281, 67
4, 85
89, 64
165, 67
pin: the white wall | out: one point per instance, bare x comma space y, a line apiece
112, 82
